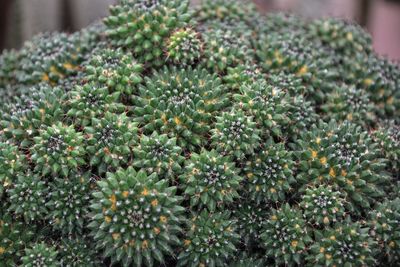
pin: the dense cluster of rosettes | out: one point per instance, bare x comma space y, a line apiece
214, 137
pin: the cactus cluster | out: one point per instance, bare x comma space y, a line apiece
209, 136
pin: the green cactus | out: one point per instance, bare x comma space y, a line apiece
40, 254
210, 180
145, 25
285, 236
209, 239
184, 47
136, 218
159, 154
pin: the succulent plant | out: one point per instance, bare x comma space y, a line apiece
322, 206
384, 224
159, 154
210, 180
110, 141
165, 135
349, 103
28, 197
68, 203
235, 134
40, 105
145, 25
209, 239
12, 163
388, 137
115, 69
74, 252
40, 254
285, 236
269, 173
92, 101
180, 103
346, 244
14, 236
267, 104
345, 157
136, 218
184, 47
58, 150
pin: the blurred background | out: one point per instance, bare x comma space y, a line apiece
21, 19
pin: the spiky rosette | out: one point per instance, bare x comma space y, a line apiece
159, 154
12, 163
115, 69
269, 173
145, 25
322, 205
58, 150
77, 252
184, 47
92, 100
9, 62
234, 10
302, 116
345, 244
209, 240
244, 260
385, 228
48, 57
267, 104
349, 103
344, 156
339, 35
25, 115
285, 236
388, 137
136, 218
224, 48
40, 254
180, 103
68, 203
291, 83
250, 219
235, 134
242, 75
14, 235
110, 141
28, 197
290, 52
210, 180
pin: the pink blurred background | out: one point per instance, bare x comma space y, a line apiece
21, 19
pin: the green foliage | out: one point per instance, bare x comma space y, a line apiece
184, 47
68, 203
210, 180
209, 240
136, 218
322, 206
159, 154
110, 141
346, 244
269, 173
145, 25
235, 134
40, 254
28, 197
180, 103
217, 136
285, 236
58, 150
384, 224
346, 157
115, 69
